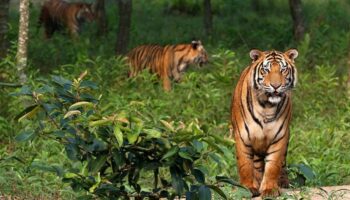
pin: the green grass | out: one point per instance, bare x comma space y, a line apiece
321, 120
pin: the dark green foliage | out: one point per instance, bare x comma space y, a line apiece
199, 104
116, 150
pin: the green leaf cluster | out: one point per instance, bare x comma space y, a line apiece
122, 154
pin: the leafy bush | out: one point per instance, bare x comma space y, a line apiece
106, 152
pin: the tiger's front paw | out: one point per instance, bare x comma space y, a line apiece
270, 192
255, 191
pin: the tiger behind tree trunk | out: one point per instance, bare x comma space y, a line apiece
58, 14
260, 116
168, 62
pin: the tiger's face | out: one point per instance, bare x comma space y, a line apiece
85, 13
198, 55
274, 73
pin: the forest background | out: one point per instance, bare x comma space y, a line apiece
33, 163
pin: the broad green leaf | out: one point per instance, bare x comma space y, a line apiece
100, 122
70, 175
96, 164
307, 171
24, 136
71, 113
72, 151
118, 135
98, 181
61, 81
215, 157
81, 104
152, 133
198, 145
191, 195
25, 90
88, 84
228, 180
217, 190
28, 112
132, 136
225, 141
171, 152
176, 180
204, 193
168, 125
185, 155
199, 175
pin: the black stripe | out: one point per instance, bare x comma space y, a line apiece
256, 69
247, 145
280, 129
250, 154
280, 105
177, 48
247, 129
251, 108
275, 151
260, 159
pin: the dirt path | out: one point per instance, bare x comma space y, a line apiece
321, 193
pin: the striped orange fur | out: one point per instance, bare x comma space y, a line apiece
260, 115
168, 62
58, 14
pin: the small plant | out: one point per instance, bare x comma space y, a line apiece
121, 155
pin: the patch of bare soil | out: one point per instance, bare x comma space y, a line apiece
320, 193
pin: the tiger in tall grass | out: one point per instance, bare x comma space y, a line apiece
58, 14
260, 115
168, 62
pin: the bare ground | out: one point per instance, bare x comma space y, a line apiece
320, 193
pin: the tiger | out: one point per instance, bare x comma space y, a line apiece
58, 14
168, 62
260, 115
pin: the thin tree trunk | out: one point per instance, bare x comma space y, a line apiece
256, 5
101, 17
125, 9
23, 40
4, 10
208, 17
298, 19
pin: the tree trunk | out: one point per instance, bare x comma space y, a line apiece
298, 19
125, 9
101, 17
4, 10
22, 40
208, 17
256, 5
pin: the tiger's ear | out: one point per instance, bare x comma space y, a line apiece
255, 54
195, 43
292, 54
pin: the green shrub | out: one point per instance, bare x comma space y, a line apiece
117, 155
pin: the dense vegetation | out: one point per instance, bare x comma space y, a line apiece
321, 120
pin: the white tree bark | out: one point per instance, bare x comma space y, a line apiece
22, 40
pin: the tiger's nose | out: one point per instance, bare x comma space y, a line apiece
275, 85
